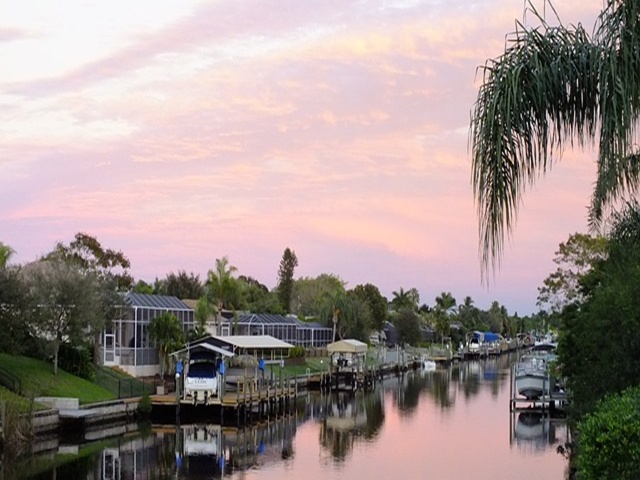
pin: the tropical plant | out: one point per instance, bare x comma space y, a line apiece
166, 332
552, 87
222, 286
405, 299
6, 252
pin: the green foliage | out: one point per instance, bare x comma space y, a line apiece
223, 289
574, 259
144, 406
312, 295
407, 325
297, 352
405, 299
77, 361
6, 252
167, 333
375, 301
599, 344
181, 285
609, 439
66, 300
287, 268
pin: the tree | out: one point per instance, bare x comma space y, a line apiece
574, 259
14, 307
222, 286
446, 302
553, 86
311, 295
257, 297
65, 303
87, 253
203, 311
6, 252
599, 343
407, 325
167, 333
109, 267
377, 303
403, 299
287, 268
181, 285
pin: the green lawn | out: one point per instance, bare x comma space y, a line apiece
38, 380
21, 404
121, 384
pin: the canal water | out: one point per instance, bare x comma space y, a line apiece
453, 423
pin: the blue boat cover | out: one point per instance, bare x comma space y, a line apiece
486, 336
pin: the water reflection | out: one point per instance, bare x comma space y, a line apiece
396, 412
538, 431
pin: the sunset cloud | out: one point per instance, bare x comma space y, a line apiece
182, 131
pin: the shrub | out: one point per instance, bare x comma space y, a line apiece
144, 406
77, 361
609, 439
297, 352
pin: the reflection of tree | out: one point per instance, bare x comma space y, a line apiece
470, 378
408, 400
441, 389
349, 416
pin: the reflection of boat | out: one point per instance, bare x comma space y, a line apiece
201, 440
531, 425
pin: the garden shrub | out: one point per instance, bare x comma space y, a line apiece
77, 361
609, 439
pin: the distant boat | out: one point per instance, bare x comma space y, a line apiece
428, 364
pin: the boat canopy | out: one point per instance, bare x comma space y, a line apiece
347, 346
486, 336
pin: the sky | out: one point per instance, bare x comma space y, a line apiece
183, 131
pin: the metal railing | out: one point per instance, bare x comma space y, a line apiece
10, 381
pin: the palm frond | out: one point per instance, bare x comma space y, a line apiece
535, 98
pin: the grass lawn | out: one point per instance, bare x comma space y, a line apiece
21, 404
38, 380
121, 384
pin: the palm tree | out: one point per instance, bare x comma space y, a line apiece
553, 86
446, 302
403, 299
222, 285
167, 333
6, 252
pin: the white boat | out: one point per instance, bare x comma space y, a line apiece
428, 364
532, 378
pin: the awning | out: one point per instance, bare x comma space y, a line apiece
207, 346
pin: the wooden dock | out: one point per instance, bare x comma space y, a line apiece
250, 400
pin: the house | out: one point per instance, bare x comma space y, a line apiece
126, 342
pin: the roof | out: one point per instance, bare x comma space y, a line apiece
155, 301
254, 341
206, 346
266, 318
349, 345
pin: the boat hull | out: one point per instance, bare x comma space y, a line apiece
532, 386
